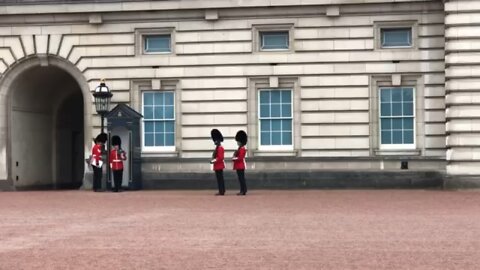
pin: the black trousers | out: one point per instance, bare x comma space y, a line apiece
117, 179
241, 179
97, 178
220, 181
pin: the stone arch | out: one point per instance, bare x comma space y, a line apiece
11, 76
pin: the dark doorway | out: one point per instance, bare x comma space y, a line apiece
69, 142
46, 119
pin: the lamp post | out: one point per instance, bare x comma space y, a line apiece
102, 96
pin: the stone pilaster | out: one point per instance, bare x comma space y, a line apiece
462, 75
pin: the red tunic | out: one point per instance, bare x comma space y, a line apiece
218, 161
239, 159
116, 159
96, 154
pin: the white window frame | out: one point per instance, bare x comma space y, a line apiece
275, 147
413, 25
257, 37
261, 38
397, 146
144, 43
141, 34
151, 149
397, 46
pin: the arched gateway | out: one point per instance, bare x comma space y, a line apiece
45, 124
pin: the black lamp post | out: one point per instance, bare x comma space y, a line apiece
102, 96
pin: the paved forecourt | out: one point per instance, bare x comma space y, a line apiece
312, 229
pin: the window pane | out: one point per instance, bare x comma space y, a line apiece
397, 109
408, 137
169, 100
158, 100
276, 138
149, 140
158, 113
397, 137
160, 139
159, 127
286, 110
169, 112
385, 109
265, 138
274, 40
170, 126
408, 108
275, 96
397, 124
148, 98
396, 37
287, 125
276, 125
408, 123
385, 95
265, 125
407, 94
159, 43
286, 96
386, 137
264, 111
148, 112
286, 138
386, 124
149, 126
396, 95
264, 97
275, 110
170, 139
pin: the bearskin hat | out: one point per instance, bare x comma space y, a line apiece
102, 137
216, 135
116, 140
241, 137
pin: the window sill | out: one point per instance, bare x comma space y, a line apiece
156, 53
275, 153
397, 152
275, 51
160, 154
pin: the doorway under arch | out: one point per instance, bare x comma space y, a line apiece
46, 123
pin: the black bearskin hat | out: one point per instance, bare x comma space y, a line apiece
102, 137
241, 137
116, 140
216, 135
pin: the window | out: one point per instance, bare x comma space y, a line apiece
157, 44
397, 117
159, 120
396, 37
156, 41
275, 119
274, 40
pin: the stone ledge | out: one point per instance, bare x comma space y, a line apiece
452, 182
5, 185
299, 180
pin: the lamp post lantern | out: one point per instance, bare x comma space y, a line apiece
102, 96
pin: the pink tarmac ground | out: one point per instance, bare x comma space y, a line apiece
312, 229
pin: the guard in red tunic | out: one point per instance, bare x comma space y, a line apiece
96, 160
239, 160
117, 156
217, 161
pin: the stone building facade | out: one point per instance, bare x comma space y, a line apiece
331, 93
